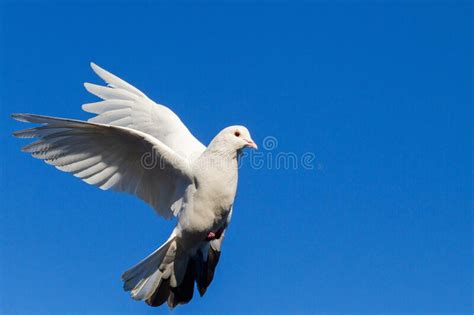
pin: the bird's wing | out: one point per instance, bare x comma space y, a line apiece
124, 105
111, 157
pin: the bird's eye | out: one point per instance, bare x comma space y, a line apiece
237, 134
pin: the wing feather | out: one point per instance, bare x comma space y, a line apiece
110, 157
124, 105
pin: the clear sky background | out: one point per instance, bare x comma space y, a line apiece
380, 92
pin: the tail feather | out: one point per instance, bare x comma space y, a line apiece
169, 273
146, 289
161, 295
146, 269
183, 293
206, 270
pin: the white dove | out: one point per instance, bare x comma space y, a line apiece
137, 146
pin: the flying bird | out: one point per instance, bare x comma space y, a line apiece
137, 146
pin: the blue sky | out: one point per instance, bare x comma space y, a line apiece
381, 93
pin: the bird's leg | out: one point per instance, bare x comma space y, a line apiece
210, 236
214, 235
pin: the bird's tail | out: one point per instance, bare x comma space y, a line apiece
168, 274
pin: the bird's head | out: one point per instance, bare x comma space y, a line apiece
234, 138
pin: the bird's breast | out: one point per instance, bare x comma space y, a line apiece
216, 184
210, 207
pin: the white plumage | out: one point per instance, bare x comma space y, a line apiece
126, 106
137, 146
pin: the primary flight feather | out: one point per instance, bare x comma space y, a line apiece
137, 146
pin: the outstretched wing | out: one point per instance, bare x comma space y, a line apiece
126, 106
111, 157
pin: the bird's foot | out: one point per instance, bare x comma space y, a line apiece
214, 236
210, 236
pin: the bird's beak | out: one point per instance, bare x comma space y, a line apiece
251, 144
